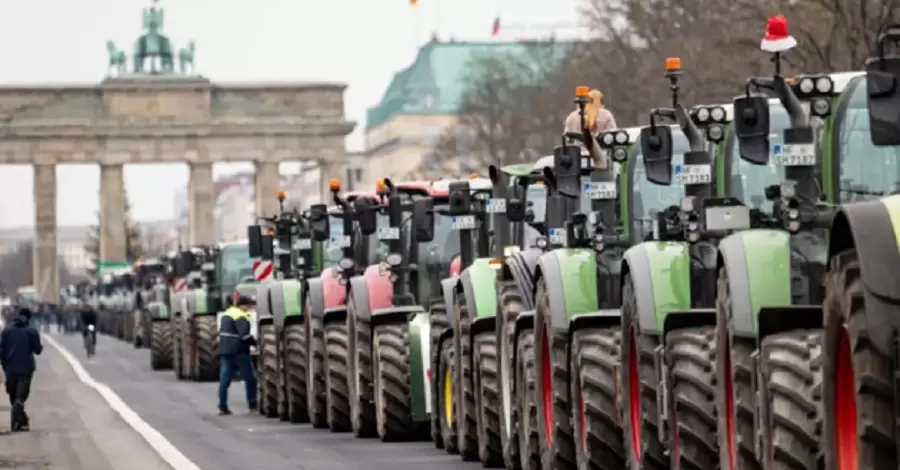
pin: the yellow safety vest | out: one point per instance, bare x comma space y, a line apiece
237, 313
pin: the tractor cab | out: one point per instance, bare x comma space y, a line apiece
358, 223
468, 204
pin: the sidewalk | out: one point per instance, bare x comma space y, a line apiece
72, 427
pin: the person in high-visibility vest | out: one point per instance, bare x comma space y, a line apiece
235, 341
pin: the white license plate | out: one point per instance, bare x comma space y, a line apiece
303, 244
496, 206
342, 241
208, 266
798, 154
281, 251
388, 233
598, 190
693, 174
462, 222
557, 236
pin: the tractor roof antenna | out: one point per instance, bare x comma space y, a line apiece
777, 40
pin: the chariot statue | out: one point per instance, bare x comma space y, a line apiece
153, 51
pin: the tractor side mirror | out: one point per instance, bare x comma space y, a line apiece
515, 210
751, 126
254, 240
656, 146
364, 207
460, 198
423, 219
267, 248
318, 222
883, 83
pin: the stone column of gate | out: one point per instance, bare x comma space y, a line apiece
45, 269
203, 204
267, 183
113, 233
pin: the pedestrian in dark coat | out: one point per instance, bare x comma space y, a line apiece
19, 342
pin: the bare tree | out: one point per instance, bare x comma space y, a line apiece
134, 246
16, 268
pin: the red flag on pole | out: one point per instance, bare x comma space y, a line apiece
495, 29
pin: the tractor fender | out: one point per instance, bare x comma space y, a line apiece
292, 292
398, 314
334, 315
520, 267
276, 303
448, 290
758, 263
315, 294
263, 306
876, 224
478, 283
359, 293
420, 366
334, 293
571, 278
378, 285
661, 276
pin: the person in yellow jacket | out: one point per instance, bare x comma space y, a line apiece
235, 341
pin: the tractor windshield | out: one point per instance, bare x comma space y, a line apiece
747, 181
866, 171
332, 251
649, 198
234, 265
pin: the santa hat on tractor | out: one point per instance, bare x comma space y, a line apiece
777, 38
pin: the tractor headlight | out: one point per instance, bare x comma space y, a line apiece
346, 264
608, 139
619, 155
821, 107
542, 243
702, 115
806, 85
824, 85
717, 114
715, 133
622, 137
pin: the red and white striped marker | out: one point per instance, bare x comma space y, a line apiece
179, 284
262, 270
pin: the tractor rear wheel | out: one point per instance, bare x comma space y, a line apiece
510, 306
446, 402
691, 357
338, 415
295, 371
594, 387
316, 398
161, 346
526, 401
268, 381
466, 413
487, 396
858, 379
439, 323
362, 398
392, 387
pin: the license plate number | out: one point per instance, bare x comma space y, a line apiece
496, 206
798, 154
462, 222
388, 233
693, 174
600, 190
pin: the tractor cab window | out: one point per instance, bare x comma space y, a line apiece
866, 171
377, 249
648, 198
747, 181
332, 251
234, 264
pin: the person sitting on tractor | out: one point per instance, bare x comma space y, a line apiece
597, 119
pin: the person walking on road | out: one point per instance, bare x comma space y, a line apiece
235, 341
19, 342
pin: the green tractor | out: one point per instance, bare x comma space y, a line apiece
149, 287
769, 279
860, 340
470, 292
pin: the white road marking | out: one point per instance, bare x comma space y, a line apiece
157, 441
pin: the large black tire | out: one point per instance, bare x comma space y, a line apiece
362, 395
526, 402
734, 365
268, 371
208, 347
447, 414
791, 368
487, 397
177, 354
555, 434
439, 323
161, 346
338, 415
466, 413
643, 451
510, 305
295, 371
691, 357
316, 394
598, 434
848, 352
392, 390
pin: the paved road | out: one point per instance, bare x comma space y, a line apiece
73, 428
186, 414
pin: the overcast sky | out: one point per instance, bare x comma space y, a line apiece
358, 42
